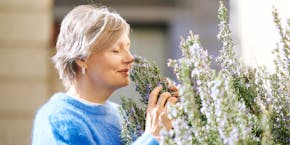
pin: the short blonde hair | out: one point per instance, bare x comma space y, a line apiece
86, 28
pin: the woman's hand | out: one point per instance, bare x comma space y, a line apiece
157, 115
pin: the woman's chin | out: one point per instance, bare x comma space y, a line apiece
124, 83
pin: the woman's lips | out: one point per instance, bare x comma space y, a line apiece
124, 72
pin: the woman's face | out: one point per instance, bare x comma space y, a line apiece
110, 67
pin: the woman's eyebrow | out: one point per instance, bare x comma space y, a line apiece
125, 44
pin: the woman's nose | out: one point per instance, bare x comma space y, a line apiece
129, 58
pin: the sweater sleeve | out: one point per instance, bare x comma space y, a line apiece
146, 139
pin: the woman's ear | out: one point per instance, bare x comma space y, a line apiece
82, 64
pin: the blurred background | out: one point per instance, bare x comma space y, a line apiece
29, 28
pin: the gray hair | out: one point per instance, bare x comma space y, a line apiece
86, 28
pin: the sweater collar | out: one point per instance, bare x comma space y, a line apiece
87, 107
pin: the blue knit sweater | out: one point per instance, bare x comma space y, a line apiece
64, 120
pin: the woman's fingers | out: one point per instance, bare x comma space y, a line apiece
154, 96
165, 121
175, 94
163, 99
157, 113
172, 87
174, 90
172, 100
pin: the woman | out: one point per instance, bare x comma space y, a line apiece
93, 60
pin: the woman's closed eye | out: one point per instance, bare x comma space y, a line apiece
115, 51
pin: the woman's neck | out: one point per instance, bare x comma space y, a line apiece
90, 94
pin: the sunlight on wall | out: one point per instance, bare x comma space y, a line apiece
257, 32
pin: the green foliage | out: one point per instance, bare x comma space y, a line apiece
133, 124
246, 91
146, 76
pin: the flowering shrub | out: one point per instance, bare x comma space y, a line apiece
235, 105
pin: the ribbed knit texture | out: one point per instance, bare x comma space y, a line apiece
64, 120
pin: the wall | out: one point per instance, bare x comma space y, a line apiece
25, 27
255, 31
